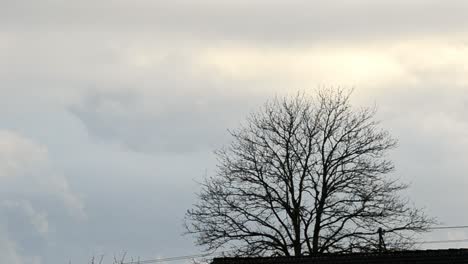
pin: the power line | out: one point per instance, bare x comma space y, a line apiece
167, 259
447, 227
173, 258
212, 253
185, 257
443, 241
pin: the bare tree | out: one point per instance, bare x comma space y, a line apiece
305, 175
116, 260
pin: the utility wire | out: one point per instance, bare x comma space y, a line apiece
447, 227
211, 254
186, 257
443, 241
173, 258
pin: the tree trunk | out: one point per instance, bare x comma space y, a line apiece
297, 233
315, 237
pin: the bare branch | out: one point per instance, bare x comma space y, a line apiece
304, 175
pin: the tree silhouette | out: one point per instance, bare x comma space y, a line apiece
305, 175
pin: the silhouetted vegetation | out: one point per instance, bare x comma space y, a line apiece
305, 175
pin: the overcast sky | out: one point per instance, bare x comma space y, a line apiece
110, 109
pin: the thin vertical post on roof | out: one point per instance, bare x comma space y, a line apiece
382, 247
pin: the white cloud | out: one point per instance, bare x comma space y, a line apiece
373, 65
18, 155
10, 253
25, 170
37, 219
28, 181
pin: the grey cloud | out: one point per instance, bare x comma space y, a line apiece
280, 21
171, 124
174, 106
70, 69
429, 119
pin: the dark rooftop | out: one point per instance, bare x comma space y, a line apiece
440, 256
